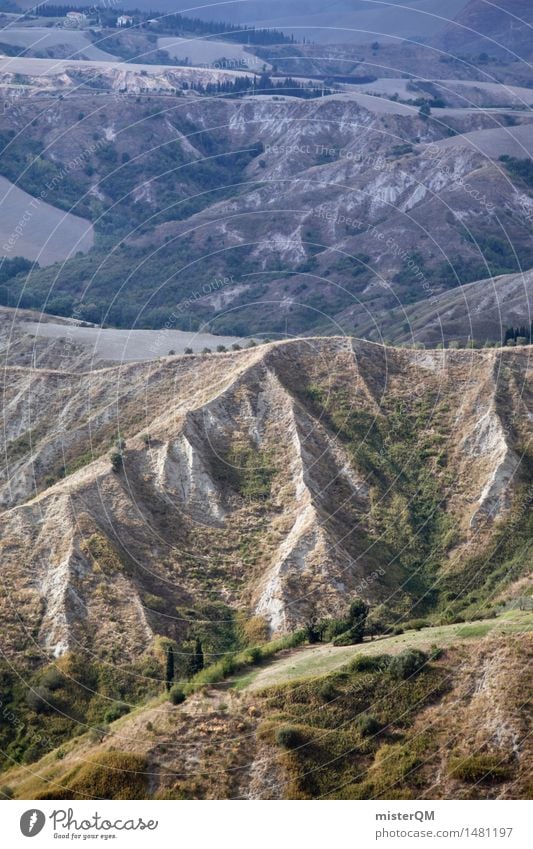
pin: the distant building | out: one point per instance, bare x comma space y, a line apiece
124, 21
75, 19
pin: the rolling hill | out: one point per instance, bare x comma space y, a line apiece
189, 191
494, 28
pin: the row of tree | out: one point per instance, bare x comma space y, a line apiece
261, 85
519, 335
344, 632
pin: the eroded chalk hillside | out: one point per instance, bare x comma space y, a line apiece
277, 482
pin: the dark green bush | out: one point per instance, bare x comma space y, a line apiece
254, 655
53, 679
327, 691
40, 700
116, 710
228, 666
116, 461
370, 663
176, 694
417, 624
407, 664
289, 737
368, 725
334, 628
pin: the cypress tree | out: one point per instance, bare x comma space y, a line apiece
197, 658
169, 675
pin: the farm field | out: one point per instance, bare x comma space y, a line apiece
43, 39
201, 51
130, 345
34, 229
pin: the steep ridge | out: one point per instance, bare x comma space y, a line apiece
479, 310
281, 480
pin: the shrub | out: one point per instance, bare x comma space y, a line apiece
40, 700
407, 664
196, 663
370, 663
97, 734
288, 737
6, 792
116, 461
116, 710
228, 666
334, 628
435, 653
485, 768
176, 694
188, 351
52, 679
417, 624
254, 655
255, 631
314, 631
376, 627
355, 624
368, 725
221, 349
327, 691
349, 638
